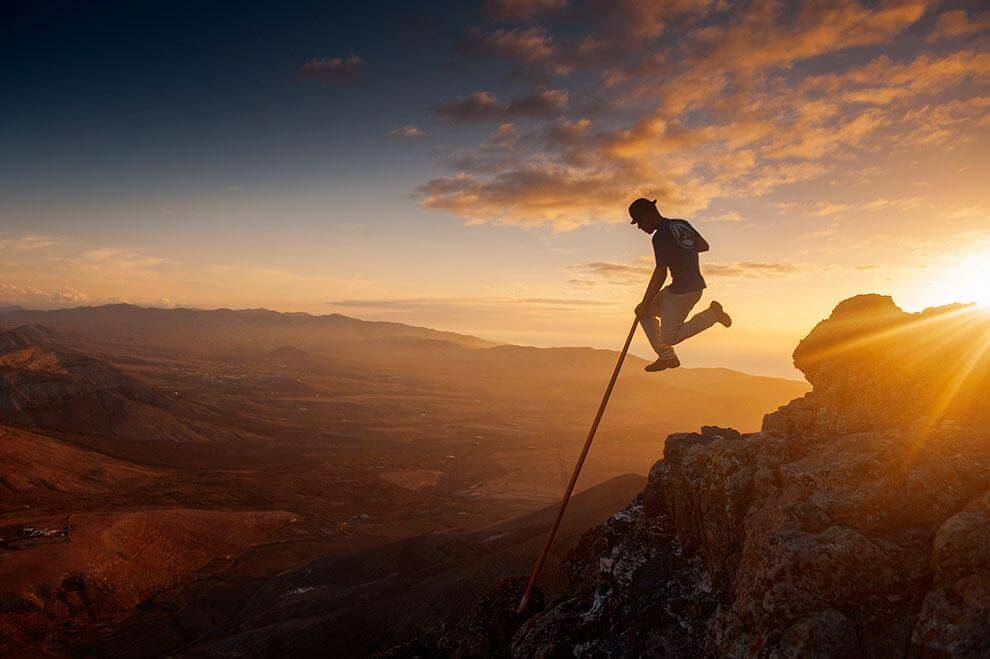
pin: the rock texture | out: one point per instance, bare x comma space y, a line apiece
856, 523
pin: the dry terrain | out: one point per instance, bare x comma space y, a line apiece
156, 458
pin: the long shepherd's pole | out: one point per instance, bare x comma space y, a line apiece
538, 565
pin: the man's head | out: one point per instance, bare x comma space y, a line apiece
645, 215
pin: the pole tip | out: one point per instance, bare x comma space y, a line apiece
523, 603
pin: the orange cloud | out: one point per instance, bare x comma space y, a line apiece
484, 106
531, 46
712, 112
957, 23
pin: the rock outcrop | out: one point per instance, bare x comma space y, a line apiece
856, 523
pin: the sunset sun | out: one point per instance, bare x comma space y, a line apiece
967, 281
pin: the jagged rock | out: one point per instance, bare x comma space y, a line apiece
856, 523
955, 619
486, 631
492, 622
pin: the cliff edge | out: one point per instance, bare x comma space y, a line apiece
855, 523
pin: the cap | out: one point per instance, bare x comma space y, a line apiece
640, 207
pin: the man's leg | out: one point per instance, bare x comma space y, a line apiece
674, 308
651, 327
699, 322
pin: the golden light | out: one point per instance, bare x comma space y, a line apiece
966, 281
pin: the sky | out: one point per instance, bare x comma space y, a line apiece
467, 165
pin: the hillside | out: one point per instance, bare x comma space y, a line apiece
855, 523
65, 391
243, 332
378, 597
38, 469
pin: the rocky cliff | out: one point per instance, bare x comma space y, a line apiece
856, 523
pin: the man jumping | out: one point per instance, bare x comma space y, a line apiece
676, 245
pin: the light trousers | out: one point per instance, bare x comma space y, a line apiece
665, 321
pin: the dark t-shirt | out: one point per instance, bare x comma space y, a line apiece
675, 245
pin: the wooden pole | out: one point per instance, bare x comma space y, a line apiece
538, 565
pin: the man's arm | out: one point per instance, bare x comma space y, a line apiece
656, 283
702, 243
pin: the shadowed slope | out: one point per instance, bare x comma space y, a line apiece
357, 603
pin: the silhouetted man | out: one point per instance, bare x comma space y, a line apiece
676, 245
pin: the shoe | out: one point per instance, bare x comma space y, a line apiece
663, 363
720, 314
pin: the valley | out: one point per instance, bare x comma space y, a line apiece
195, 455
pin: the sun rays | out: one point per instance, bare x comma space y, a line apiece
966, 280
947, 352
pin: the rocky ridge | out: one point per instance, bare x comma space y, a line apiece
855, 523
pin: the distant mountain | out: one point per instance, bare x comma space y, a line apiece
65, 391
243, 333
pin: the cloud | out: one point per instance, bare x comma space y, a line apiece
520, 10
541, 102
946, 125
827, 209
407, 131
36, 298
467, 308
957, 23
750, 269
978, 210
813, 29
637, 20
617, 273
638, 272
695, 109
531, 47
28, 243
905, 204
832, 209
484, 106
332, 70
728, 216
479, 106
567, 302
531, 193
882, 81
119, 258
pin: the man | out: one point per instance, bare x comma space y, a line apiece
676, 245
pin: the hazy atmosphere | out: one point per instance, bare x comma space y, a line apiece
495, 328
466, 166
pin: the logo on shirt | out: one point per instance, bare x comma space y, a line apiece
683, 234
